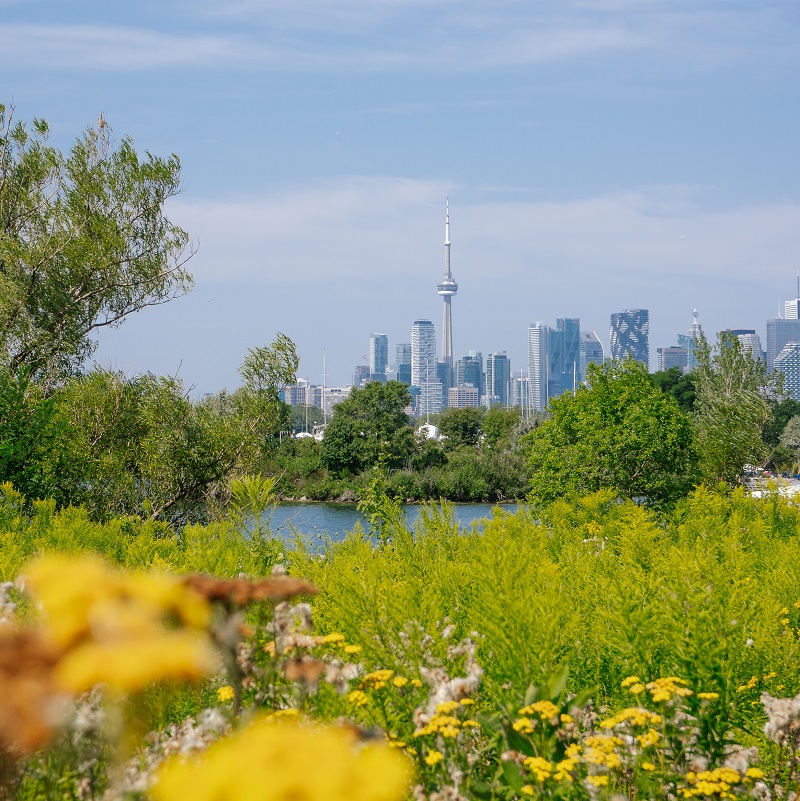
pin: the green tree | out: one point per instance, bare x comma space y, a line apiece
498, 426
619, 432
735, 395
677, 384
781, 414
369, 428
84, 242
140, 446
460, 427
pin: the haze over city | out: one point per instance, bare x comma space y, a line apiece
597, 156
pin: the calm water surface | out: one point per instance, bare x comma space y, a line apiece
318, 521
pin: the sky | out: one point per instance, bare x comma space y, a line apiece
598, 155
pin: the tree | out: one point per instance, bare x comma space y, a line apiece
369, 429
781, 414
619, 432
84, 242
460, 427
498, 426
735, 395
140, 446
677, 384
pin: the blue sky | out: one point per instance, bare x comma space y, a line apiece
598, 155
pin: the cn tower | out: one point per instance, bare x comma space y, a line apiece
447, 288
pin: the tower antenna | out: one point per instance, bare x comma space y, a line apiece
447, 287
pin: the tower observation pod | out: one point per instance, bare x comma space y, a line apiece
447, 288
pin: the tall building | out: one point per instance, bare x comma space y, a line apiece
668, 358
361, 375
469, 372
538, 349
788, 363
519, 391
378, 354
403, 362
591, 351
447, 288
630, 332
779, 332
423, 353
564, 354
749, 340
463, 397
498, 379
690, 340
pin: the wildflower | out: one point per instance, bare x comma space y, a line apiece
567, 719
399, 681
648, 766
708, 696
527, 789
785, 621
523, 725
416, 683
277, 755
447, 706
434, 757
225, 693
358, 697
471, 723
544, 709
564, 769
784, 611
539, 767
330, 638
651, 737
631, 680
598, 781
664, 689
352, 649
636, 689
755, 773
466, 702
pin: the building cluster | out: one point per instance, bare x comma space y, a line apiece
558, 357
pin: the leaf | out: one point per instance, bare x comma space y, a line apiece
513, 775
557, 682
531, 694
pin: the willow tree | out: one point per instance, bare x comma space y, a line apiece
84, 242
735, 399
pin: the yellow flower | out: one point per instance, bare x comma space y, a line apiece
523, 725
755, 773
648, 766
784, 611
785, 621
434, 757
567, 719
527, 789
708, 696
544, 709
330, 638
416, 683
540, 768
598, 781
447, 706
276, 755
471, 723
225, 693
467, 702
651, 737
358, 697
631, 680
399, 681
637, 688
352, 649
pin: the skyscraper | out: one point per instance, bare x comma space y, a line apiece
378, 354
779, 332
423, 353
788, 363
564, 354
690, 340
591, 351
749, 340
630, 332
447, 288
403, 356
538, 349
498, 379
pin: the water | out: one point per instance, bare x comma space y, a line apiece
318, 521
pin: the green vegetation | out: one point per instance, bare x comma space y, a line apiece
649, 613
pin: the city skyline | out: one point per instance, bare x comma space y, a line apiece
600, 156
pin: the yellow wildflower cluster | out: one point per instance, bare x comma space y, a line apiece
434, 757
338, 641
544, 709
749, 686
600, 750
125, 630
664, 689
376, 680
634, 685
636, 716
708, 696
543, 770
225, 693
445, 724
270, 760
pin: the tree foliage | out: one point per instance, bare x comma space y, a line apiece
620, 432
84, 242
735, 395
369, 428
460, 427
677, 384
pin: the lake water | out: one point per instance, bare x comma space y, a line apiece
318, 521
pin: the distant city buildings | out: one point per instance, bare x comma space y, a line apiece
538, 349
749, 341
378, 354
788, 363
591, 351
630, 335
423, 352
498, 379
667, 358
